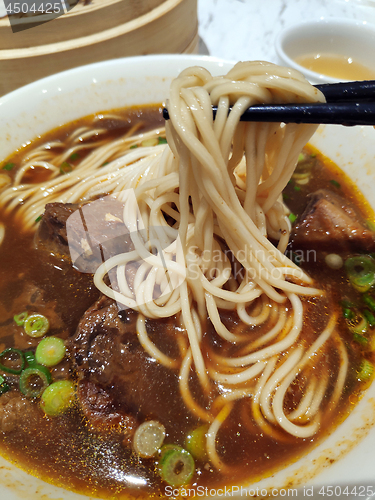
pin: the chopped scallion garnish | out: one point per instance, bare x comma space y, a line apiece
357, 324
57, 397
13, 366
74, 156
20, 318
4, 387
39, 218
369, 316
36, 325
365, 371
195, 442
335, 183
162, 140
50, 351
361, 272
65, 168
369, 301
360, 339
292, 218
8, 166
133, 146
176, 466
30, 358
34, 380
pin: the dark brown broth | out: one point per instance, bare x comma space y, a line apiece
64, 450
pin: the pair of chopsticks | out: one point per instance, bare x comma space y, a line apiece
349, 104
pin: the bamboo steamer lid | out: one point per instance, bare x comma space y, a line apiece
104, 29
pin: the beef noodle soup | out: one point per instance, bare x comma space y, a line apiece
183, 306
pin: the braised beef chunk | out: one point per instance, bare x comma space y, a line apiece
51, 234
100, 409
118, 380
87, 234
330, 223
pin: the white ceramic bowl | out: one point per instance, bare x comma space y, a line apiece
342, 37
347, 456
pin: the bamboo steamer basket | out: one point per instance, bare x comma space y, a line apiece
104, 29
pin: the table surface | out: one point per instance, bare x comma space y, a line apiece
243, 30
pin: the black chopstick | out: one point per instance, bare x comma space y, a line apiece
349, 91
349, 103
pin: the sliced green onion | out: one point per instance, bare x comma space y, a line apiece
361, 272
36, 325
20, 361
285, 197
65, 168
358, 324
360, 339
369, 301
348, 313
30, 358
8, 166
105, 163
176, 466
365, 371
335, 183
162, 140
301, 175
74, 156
369, 316
148, 438
39, 218
19, 319
149, 142
370, 224
33, 381
4, 387
301, 157
296, 188
50, 351
292, 218
57, 397
133, 146
195, 442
